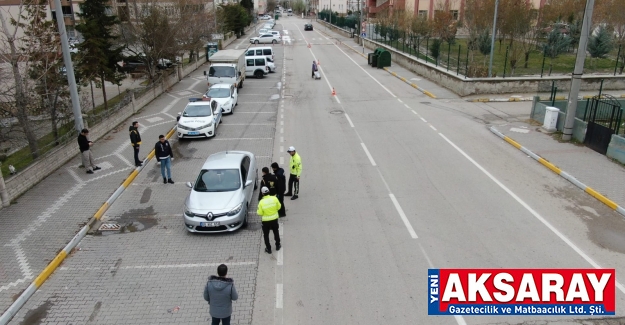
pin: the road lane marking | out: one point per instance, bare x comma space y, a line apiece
422, 119
281, 130
399, 100
532, 211
279, 290
432, 126
408, 107
349, 120
368, 154
156, 266
403, 217
415, 113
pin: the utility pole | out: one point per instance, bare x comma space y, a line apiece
492, 42
69, 68
576, 79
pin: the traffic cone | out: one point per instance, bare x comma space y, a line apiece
333, 92
318, 62
308, 45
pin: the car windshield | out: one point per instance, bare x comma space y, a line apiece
218, 180
198, 110
221, 72
218, 93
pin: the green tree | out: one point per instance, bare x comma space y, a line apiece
484, 43
556, 43
435, 48
98, 55
234, 18
248, 5
601, 44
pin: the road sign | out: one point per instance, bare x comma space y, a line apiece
363, 34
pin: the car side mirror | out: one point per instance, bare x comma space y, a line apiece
189, 185
248, 183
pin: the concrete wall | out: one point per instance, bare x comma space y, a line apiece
474, 86
616, 148
579, 126
54, 159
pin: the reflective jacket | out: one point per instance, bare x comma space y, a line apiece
296, 165
268, 208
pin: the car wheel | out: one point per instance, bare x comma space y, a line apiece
244, 225
256, 42
258, 74
273, 42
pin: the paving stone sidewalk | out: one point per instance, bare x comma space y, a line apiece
44, 219
588, 166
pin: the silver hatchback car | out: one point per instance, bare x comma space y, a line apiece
222, 193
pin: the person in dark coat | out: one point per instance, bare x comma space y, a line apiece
135, 141
269, 181
164, 155
220, 293
85, 151
281, 188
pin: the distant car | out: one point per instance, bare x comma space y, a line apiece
225, 95
308, 26
163, 64
222, 194
199, 119
266, 38
265, 17
263, 31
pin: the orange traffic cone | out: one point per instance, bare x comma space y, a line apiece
308, 45
318, 62
333, 92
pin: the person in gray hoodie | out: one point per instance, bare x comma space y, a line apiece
220, 293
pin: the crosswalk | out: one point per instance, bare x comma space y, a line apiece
288, 40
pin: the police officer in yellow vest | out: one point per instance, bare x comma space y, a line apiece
268, 209
296, 172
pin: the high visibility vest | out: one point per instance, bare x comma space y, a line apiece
268, 208
296, 165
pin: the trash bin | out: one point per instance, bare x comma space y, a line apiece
384, 58
277, 16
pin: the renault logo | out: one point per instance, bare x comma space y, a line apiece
209, 216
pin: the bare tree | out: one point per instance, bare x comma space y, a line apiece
444, 25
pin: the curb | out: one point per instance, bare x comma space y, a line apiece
611, 204
54, 264
391, 72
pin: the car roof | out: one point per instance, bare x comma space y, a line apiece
221, 85
226, 160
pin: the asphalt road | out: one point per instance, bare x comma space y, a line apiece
393, 183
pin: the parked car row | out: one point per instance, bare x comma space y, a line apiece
220, 198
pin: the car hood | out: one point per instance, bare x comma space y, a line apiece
204, 202
221, 101
195, 121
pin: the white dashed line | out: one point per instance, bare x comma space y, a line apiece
349, 120
403, 217
422, 119
368, 154
432, 126
415, 113
408, 107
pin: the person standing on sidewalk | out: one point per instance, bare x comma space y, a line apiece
164, 155
279, 173
268, 209
269, 181
220, 293
85, 150
135, 141
296, 172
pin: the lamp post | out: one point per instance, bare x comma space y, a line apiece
492, 42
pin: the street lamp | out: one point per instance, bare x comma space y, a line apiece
492, 42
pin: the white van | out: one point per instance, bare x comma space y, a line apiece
256, 66
266, 51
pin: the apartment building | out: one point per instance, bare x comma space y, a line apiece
426, 8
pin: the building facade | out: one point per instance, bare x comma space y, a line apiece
426, 8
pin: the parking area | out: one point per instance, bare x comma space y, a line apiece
151, 270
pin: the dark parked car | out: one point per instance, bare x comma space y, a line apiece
308, 26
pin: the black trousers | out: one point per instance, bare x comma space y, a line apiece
293, 184
136, 150
282, 211
271, 225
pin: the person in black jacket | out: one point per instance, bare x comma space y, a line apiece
85, 149
269, 181
164, 155
281, 188
135, 141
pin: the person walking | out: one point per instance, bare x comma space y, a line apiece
164, 155
220, 293
135, 141
268, 209
85, 150
314, 68
279, 173
269, 181
296, 172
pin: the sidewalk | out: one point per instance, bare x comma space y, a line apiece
582, 163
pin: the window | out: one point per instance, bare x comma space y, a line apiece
423, 13
218, 93
267, 52
249, 62
245, 167
218, 71
454, 14
249, 53
259, 52
67, 10
260, 62
218, 180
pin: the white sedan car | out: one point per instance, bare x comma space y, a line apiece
266, 38
271, 65
199, 119
225, 95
